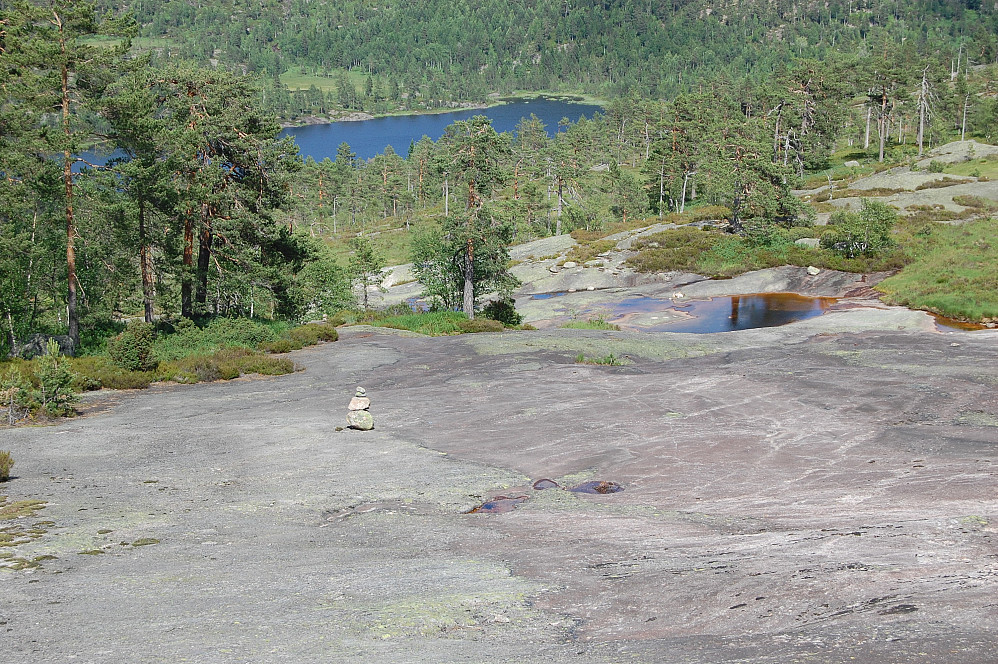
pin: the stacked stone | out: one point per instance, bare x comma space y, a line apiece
359, 416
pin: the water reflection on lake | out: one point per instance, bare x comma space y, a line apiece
722, 314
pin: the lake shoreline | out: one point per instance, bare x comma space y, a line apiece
361, 116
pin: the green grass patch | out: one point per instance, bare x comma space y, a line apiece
952, 272
434, 324
595, 323
294, 79
984, 168
609, 360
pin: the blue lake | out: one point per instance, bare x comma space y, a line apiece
368, 138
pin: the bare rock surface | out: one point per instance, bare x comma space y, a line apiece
820, 492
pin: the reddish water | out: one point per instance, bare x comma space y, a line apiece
944, 324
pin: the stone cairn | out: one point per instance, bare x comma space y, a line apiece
359, 415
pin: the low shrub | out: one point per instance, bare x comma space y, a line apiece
480, 325
6, 463
587, 251
945, 182
14, 391
279, 346
225, 365
132, 349
54, 393
977, 202
190, 339
936, 166
673, 250
313, 333
300, 337
96, 372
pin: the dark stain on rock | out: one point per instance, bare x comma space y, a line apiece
898, 609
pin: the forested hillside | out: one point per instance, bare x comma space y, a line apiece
442, 50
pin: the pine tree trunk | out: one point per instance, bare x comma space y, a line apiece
204, 256
147, 295
866, 138
67, 177
186, 303
469, 281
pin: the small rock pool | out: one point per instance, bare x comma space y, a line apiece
718, 314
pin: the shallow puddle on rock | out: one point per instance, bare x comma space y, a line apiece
723, 314
498, 505
546, 484
547, 296
944, 324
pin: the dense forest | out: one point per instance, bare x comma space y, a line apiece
382, 55
204, 212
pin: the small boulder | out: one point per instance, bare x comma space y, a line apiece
360, 420
809, 242
851, 164
812, 270
570, 264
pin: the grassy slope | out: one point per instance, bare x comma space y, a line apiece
954, 272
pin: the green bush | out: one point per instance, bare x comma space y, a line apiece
132, 349
6, 463
936, 166
503, 311
866, 233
